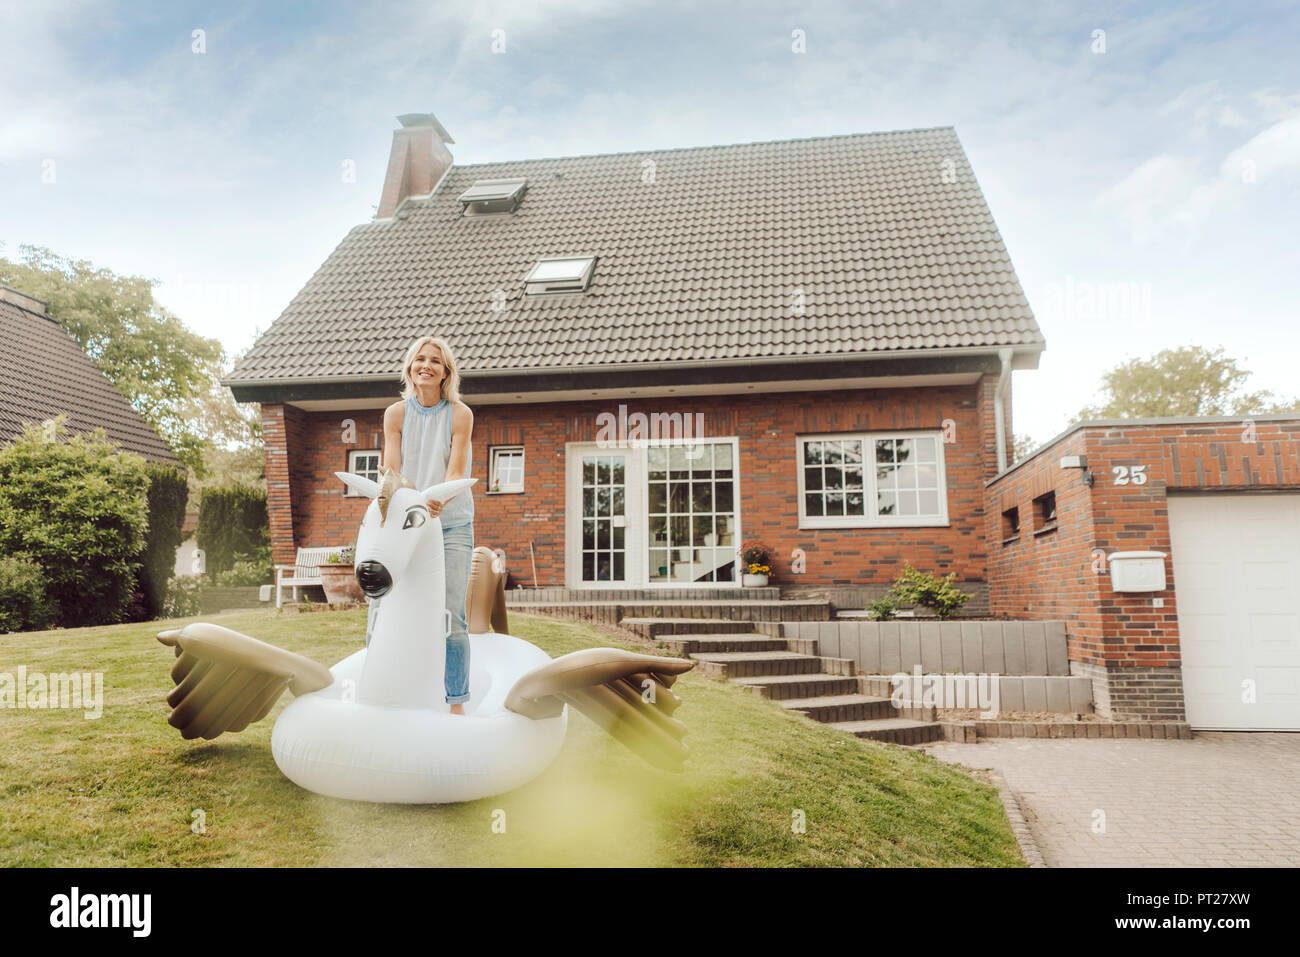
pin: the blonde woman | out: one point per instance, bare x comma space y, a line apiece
427, 439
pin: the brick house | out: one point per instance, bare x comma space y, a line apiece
804, 310
797, 308
1217, 636
45, 374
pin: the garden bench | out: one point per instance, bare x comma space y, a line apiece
304, 571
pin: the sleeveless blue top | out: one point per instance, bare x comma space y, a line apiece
426, 450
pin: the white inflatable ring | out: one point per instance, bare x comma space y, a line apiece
365, 752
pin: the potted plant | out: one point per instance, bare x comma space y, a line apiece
756, 560
338, 577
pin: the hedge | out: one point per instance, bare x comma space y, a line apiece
232, 521
78, 508
168, 492
23, 605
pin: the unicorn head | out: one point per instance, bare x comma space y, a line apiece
399, 558
395, 526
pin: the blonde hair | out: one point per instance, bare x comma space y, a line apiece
451, 382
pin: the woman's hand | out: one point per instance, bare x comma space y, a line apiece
434, 506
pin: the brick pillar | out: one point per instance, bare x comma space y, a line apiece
279, 491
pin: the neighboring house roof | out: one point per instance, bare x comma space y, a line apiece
886, 235
43, 373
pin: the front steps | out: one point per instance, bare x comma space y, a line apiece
789, 671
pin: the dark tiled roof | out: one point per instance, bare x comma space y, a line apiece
43, 372
701, 263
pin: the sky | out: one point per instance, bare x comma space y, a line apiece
1141, 160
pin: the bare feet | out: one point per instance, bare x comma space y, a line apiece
458, 709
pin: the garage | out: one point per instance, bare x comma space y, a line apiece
1236, 567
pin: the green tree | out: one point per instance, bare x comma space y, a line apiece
165, 370
1185, 381
1025, 445
78, 508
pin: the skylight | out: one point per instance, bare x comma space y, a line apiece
569, 274
492, 196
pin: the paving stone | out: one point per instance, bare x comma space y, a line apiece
1220, 799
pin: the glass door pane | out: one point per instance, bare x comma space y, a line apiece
691, 503
604, 518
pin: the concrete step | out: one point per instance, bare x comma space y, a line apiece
893, 730
747, 664
699, 627
736, 610
829, 709
781, 687
691, 644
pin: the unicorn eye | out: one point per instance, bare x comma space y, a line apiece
414, 519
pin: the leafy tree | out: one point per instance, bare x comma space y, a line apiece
168, 492
78, 508
1185, 381
165, 370
1025, 445
232, 523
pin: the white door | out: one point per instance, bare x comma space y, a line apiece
1236, 564
603, 490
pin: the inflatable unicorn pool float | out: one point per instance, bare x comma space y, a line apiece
376, 727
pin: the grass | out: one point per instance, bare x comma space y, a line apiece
124, 789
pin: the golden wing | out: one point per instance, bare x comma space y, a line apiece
225, 680
625, 693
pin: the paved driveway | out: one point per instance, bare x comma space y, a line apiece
1219, 800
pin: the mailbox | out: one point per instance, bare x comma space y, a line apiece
1137, 571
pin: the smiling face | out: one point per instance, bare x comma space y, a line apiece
427, 370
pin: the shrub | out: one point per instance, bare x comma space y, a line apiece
939, 594
252, 569
232, 521
182, 599
77, 507
23, 605
168, 492
882, 609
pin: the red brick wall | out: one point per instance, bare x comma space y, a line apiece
1054, 575
766, 426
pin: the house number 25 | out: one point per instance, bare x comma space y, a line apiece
1136, 474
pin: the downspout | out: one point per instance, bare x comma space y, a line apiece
999, 396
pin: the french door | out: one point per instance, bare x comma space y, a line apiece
657, 515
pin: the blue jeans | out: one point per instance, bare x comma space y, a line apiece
458, 551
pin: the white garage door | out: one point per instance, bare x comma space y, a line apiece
1236, 564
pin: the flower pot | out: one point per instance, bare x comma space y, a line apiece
753, 581
340, 583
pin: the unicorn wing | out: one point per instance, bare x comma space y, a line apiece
226, 680
625, 693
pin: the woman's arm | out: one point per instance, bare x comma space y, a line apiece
392, 457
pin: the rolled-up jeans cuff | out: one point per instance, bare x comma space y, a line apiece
457, 699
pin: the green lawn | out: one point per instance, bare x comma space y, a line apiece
121, 789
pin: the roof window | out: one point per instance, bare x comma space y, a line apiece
488, 196
568, 274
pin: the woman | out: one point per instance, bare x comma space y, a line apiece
427, 438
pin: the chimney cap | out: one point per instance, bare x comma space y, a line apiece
410, 120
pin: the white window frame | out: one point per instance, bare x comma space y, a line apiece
869, 520
576, 281
352, 467
492, 474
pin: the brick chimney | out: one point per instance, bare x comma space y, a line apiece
417, 161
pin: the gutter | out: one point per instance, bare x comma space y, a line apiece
1003, 353
999, 396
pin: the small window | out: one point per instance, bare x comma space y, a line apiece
488, 196
1045, 509
1010, 524
364, 463
571, 274
507, 469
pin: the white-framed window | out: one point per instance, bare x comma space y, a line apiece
871, 479
561, 274
507, 469
363, 462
